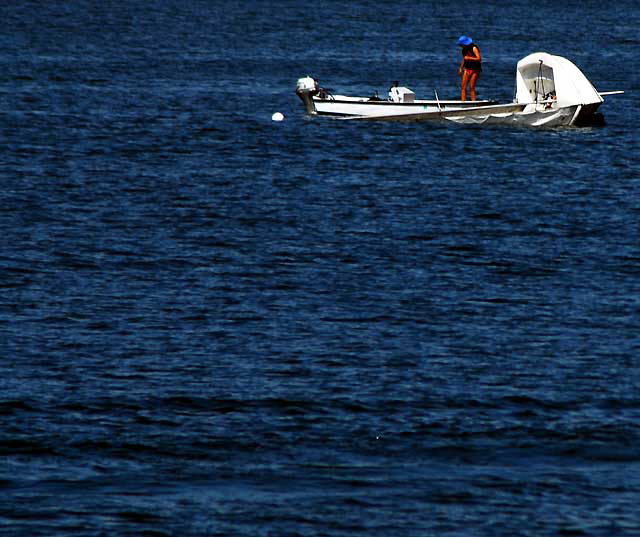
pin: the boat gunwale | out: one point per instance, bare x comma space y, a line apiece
344, 99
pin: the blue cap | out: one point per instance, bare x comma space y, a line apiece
464, 40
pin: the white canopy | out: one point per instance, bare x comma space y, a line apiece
541, 76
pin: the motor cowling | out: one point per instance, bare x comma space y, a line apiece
306, 88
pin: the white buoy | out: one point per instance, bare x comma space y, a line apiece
278, 116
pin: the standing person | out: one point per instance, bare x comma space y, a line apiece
470, 67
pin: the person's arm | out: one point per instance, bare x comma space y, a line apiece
461, 67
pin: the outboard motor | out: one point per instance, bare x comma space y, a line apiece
306, 88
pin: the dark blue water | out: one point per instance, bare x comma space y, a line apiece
216, 324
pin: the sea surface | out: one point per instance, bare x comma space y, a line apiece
216, 324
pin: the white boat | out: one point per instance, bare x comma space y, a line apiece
401, 101
550, 91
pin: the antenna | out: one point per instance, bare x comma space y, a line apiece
541, 79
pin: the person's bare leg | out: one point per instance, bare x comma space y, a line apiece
472, 85
463, 89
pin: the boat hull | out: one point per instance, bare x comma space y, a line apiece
342, 106
503, 114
